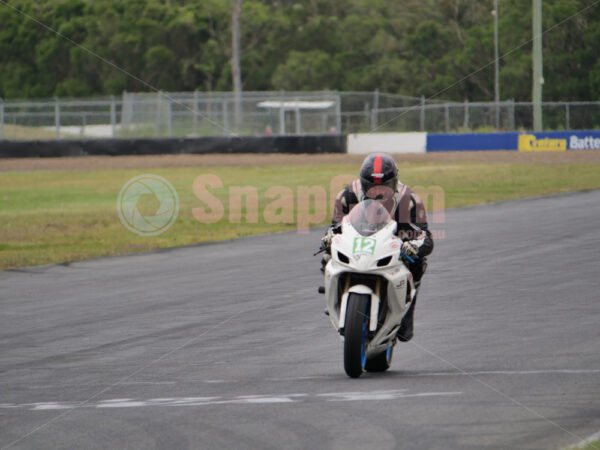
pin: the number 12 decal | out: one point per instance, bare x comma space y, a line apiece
363, 245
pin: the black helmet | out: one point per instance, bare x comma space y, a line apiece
378, 169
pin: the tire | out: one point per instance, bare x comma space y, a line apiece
355, 334
381, 362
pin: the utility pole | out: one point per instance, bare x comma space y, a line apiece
538, 74
235, 63
496, 66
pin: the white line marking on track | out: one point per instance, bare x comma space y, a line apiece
505, 372
380, 395
52, 406
238, 400
454, 374
299, 378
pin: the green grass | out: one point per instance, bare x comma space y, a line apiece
595, 445
21, 132
58, 216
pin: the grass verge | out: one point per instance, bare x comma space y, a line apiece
594, 445
58, 216
21, 132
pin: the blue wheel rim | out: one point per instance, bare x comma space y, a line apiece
363, 355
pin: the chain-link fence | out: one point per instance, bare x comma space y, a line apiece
487, 117
191, 114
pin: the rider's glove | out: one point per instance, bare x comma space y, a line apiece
411, 248
326, 240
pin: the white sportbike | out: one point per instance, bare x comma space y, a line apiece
368, 287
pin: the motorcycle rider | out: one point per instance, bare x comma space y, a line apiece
378, 176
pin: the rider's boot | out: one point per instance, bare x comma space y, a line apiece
405, 332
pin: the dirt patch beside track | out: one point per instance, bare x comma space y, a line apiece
143, 162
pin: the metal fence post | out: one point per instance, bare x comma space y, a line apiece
298, 122
338, 113
170, 117
195, 111
373, 120
466, 118
422, 113
225, 117
157, 114
1, 119
374, 110
113, 116
447, 118
567, 116
57, 116
511, 115
281, 119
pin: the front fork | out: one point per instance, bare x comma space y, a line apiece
375, 302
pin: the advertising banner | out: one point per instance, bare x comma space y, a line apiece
441, 142
551, 141
559, 141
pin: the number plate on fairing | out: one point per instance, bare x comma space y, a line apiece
363, 246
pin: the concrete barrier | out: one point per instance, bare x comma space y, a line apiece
387, 142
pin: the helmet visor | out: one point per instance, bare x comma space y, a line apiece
369, 187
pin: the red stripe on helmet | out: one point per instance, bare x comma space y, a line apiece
377, 163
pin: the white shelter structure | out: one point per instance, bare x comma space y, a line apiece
297, 106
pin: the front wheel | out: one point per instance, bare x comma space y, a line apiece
355, 334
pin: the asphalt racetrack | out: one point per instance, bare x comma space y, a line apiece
226, 345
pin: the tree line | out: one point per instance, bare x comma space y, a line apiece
438, 48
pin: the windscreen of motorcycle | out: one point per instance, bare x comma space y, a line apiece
368, 217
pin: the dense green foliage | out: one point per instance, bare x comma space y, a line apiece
412, 47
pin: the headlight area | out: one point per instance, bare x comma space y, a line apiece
384, 261
342, 258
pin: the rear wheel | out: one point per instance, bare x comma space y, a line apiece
381, 362
355, 334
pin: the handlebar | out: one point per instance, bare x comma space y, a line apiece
321, 250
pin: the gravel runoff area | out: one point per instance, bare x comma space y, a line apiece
214, 160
